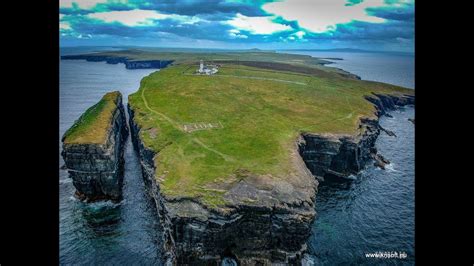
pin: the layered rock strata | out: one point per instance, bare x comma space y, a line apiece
339, 156
266, 220
96, 168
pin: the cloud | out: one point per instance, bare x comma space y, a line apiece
84, 4
324, 15
313, 23
64, 26
368, 31
139, 17
200, 7
235, 34
86, 36
300, 34
397, 11
256, 25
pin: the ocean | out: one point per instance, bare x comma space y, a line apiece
104, 233
376, 211
393, 68
372, 213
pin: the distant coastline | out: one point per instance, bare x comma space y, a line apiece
129, 64
350, 50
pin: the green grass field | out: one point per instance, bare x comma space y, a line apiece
298, 63
260, 114
92, 126
190, 56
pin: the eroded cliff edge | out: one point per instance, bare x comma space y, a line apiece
93, 150
266, 219
339, 156
129, 64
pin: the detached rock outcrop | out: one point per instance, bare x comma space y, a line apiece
93, 150
339, 156
266, 219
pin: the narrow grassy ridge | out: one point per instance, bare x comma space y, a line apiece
260, 113
92, 126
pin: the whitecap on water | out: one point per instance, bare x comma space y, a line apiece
308, 260
99, 205
73, 198
391, 168
65, 181
352, 177
102, 204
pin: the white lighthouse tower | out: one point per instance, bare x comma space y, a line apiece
201, 67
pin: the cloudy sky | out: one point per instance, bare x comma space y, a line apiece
282, 24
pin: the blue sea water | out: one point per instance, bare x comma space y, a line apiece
104, 233
392, 68
372, 213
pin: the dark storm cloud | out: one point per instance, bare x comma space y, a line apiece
405, 13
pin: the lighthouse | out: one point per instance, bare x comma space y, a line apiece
206, 70
201, 67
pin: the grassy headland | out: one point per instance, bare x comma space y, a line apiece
305, 63
247, 118
92, 126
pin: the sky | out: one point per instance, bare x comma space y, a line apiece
386, 25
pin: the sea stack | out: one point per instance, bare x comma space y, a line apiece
93, 150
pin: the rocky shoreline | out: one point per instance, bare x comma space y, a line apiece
339, 156
97, 168
346, 73
129, 64
274, 228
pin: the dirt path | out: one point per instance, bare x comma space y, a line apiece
171, 121
178, 127
225, 156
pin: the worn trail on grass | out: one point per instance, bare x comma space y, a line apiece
176, 125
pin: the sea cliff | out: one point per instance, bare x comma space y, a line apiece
129, 64
339, 156
262, 224
274, 228
246, 188
93, 150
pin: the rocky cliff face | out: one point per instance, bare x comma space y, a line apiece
339, 156
147, 64
137, 64
148, 170
97, 169
258, 226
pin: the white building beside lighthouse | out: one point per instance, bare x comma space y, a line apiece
207, 70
